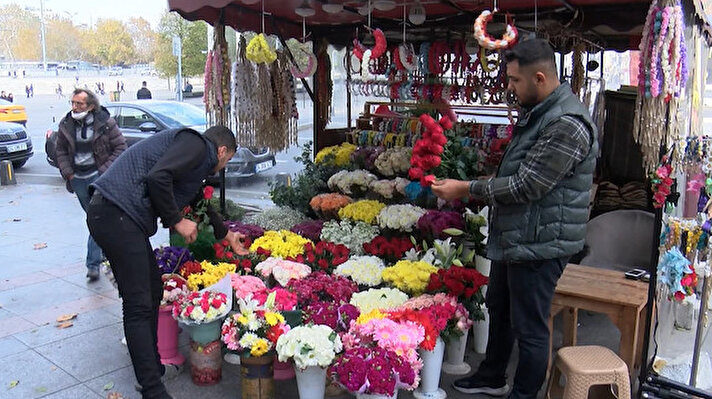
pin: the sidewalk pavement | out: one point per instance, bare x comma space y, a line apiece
42, 277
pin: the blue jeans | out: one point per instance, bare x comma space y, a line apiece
81, 188
519, 299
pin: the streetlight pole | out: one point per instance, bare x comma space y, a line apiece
42, 34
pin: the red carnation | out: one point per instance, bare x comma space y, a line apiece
323, 263
415, 173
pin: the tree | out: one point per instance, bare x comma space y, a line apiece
17, 32
64, 40
144, 39
110, 43
194, 40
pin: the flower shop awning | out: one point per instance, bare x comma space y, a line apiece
614, 24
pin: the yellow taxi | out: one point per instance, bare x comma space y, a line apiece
10, 112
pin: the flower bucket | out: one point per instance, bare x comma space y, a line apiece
311, 382
205, 332
283, 370
480, 332
455, 356
376, 396
256, 377
168, 337
430, 373
206, 363
333, 389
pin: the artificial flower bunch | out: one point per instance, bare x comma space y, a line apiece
328, 205
277, 218
320, 286
283, 244
400, 217
309, 229
254, 330
323, 255
394, 162
200, 307
442, 307
463, 283
676, 271
364, 211
365, 157
662, 184
364, 270
339, 155
432, 223
171, 258
173, 288
246, 286
349, 183
409, 276
210, 274
251, 231
284, 300
338, 316
282, 270
352, 235
390, 249
428, 149
259, 51
372, 370
378, 299
311, 345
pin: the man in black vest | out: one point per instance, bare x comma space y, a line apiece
539, 209
155, 178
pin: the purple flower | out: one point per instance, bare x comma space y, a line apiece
170, 258
434, 222
250, 230
310, 229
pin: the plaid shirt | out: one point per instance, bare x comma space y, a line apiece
561, 146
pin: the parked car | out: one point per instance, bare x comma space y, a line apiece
140, 119
11, 112
15, 144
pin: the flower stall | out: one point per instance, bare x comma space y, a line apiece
360, 278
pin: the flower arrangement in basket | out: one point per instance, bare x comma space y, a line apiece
311, 345
463, 283
409, 276
254, 330
323, 256
320, 286
200, 307
327, 205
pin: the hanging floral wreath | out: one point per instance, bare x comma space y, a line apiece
486, 40
378, 49
407, 57
305, 62
259, 51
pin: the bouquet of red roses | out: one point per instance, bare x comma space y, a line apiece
320, 286
463, 283
391, 250
324, 256
428, 149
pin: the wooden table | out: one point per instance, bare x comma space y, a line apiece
604, 291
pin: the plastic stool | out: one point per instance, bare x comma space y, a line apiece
585, 366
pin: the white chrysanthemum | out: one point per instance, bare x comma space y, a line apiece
364, 270
248, 339
400, 217
313, 345
381, 299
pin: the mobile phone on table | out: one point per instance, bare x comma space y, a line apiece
635, 274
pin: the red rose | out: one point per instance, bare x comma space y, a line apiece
446, 123
300, 258
311, 257
208, 192
415, 173
246, 264
429, 180
229, 254
323, 263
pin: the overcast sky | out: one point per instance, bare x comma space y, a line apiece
85, 12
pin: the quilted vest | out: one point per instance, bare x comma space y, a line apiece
124, 183
555, 225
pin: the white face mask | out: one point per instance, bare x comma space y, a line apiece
79, 115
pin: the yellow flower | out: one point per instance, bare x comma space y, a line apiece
364, 318
242, 319
210, 275
364, 210
282, 244
341, 153
273, 318
409, 276
260, 347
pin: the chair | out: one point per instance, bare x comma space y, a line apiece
586, 366
620, 240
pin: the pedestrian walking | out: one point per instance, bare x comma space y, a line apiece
143, 93
88, 142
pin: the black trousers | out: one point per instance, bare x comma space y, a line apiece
134, 265
519, 299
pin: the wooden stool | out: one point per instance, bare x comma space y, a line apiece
585, 366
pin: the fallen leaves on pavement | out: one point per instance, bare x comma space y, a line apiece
108, 385
13, 384
114, 395
66, 317
64, 325
40, 245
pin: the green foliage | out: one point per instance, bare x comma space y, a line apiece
201, 248
458, 162
308, 183
471, 234
194, 41
233, 212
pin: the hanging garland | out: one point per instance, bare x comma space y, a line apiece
217, 80
662, 75
486, 40
378, 49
